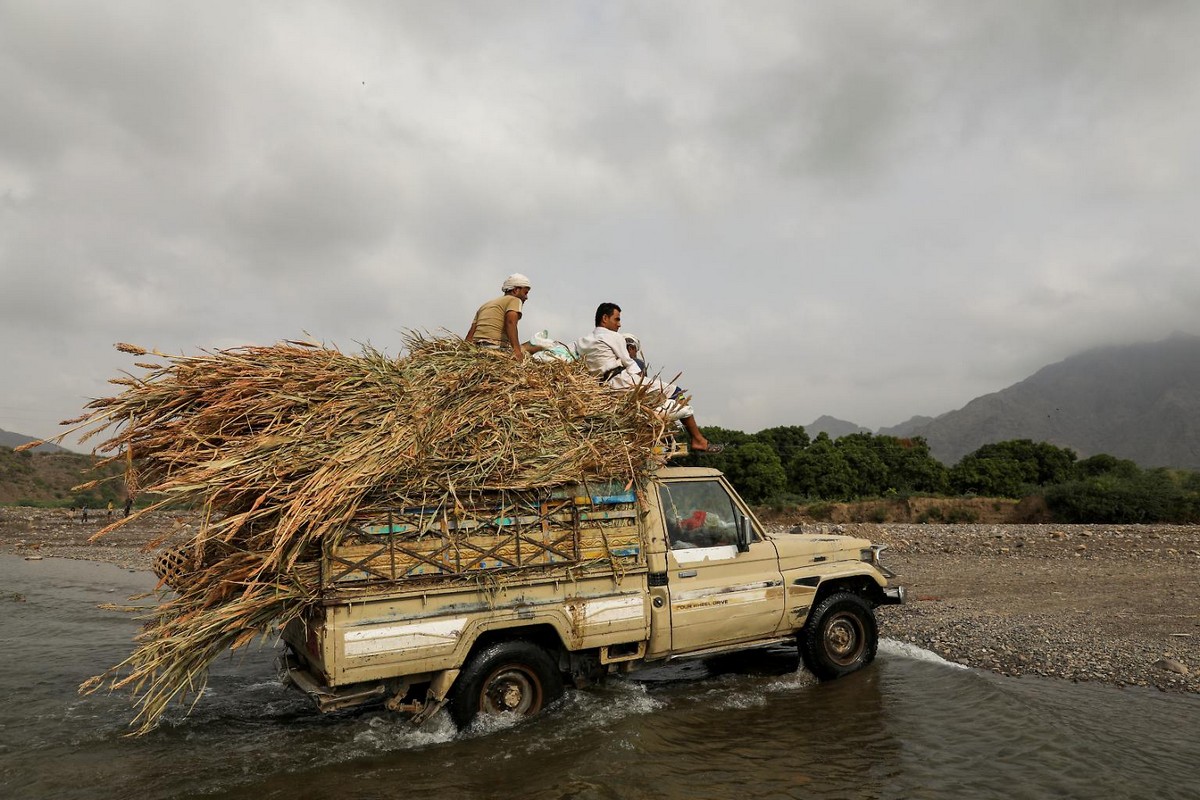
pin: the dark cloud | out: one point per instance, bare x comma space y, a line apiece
871, 211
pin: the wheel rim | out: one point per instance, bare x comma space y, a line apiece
845, 639
513, 689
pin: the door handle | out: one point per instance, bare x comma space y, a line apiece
688, 573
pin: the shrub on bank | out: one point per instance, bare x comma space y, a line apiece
1152, 496
930, 515
959, 515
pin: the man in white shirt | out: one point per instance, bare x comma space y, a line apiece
604, 353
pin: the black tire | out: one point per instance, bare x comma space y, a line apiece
840, 636
515, 676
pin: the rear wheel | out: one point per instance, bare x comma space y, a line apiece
840, 636
514, 677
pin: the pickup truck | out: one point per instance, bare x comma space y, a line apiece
497, 603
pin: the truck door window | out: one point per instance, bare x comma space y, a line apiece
698, 514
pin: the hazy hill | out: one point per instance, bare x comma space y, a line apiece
833, 427
14, 440
1140, 402
50, 478
905, 428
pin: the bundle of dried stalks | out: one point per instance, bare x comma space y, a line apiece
287, 446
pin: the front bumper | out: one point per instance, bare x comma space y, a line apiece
893, 595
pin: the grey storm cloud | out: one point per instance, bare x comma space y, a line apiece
871, 210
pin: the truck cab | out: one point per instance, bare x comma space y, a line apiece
496, 604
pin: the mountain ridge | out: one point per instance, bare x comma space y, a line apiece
15, 440
1138, 401
833, 427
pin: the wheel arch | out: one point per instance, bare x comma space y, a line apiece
543, 634
861, 584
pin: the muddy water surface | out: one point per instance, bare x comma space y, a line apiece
910, 726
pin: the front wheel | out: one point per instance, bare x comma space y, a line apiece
840, 636
515, 677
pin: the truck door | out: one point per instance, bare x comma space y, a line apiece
718, 596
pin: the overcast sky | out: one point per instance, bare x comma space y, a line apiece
866, 209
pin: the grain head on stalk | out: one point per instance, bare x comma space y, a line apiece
284, 447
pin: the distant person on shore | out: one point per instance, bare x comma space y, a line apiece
85, 515
109, 508
128, 505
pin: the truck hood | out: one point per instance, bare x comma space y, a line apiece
802, 549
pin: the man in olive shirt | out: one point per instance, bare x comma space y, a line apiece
495, 323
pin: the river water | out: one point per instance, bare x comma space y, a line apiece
909, 726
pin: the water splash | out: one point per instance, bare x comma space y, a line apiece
892, 647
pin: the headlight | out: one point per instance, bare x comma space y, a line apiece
871, 556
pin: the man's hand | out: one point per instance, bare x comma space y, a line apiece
510, 333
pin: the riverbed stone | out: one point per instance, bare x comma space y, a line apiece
1171, 665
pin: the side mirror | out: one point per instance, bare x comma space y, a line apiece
745, 533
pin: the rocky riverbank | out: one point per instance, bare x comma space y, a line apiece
1113, 604
62, 533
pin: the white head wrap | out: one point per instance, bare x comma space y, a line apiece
514, 281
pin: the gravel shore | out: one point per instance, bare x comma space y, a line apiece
1111, 604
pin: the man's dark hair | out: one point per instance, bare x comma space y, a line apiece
603, 310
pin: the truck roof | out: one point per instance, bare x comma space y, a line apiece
688, 472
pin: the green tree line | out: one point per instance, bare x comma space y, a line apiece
783, 465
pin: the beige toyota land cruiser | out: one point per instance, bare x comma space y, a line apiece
495, 605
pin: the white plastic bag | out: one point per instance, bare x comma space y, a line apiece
551, 350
